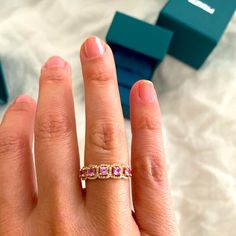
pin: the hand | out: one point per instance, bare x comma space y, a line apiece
44, 195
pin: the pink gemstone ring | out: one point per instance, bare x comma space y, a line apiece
105, 171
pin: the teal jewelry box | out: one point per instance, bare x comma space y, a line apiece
197, 25
3, 88
125, 102
138, 47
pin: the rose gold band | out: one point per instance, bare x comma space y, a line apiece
105, 171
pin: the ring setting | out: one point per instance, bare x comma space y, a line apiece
105, 171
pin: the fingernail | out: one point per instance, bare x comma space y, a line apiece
147, 91
94, 47
55, 62
23, 98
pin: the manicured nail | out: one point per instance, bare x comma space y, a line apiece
147, 91
55, 62
23, 98
94, 47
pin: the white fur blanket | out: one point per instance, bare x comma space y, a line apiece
198, 107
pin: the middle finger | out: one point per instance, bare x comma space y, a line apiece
105, 132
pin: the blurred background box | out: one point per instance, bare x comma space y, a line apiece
125, 101
197, 26
3, 88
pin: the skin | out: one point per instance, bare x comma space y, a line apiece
44, 195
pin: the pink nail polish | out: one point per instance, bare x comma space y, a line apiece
94, 47
147, 91
55, 62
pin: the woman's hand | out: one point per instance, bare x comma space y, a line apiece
44, 195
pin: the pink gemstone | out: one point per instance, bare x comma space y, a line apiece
103, 170
127, 172
91, 171
116, 171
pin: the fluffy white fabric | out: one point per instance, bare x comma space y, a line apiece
198, 107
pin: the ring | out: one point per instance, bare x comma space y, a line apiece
105, 171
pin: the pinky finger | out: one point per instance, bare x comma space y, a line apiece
150, 186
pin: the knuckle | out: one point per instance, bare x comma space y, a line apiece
54, 75
64, 227
148, 122
113, 228
157, 169
58, 223
106, 137
152, 166
53, 126
100, 76
11, 143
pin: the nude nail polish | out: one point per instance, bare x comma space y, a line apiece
94, 47
147, 91
55, 62
23, 98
